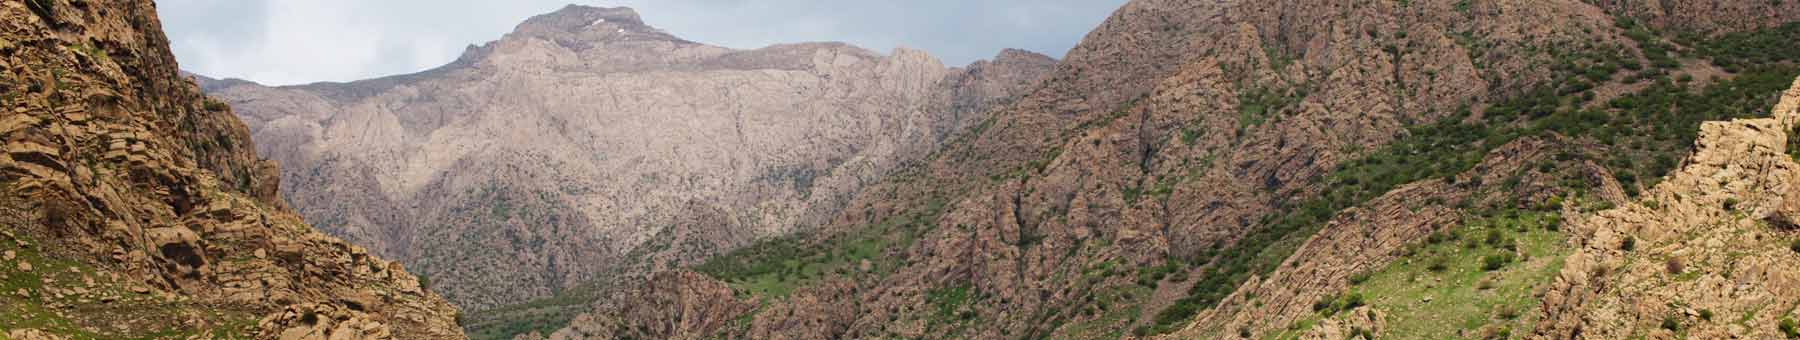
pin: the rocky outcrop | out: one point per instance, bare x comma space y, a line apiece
1706, 16
1366, 238
588, 145
1694, 256
1172, 130
680, 302
135, 207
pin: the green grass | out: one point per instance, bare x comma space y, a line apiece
543, 315
946, 301
1257, 105
1460, 300
1645, 132
1465, 296
777, 266
1117, 309
94, 319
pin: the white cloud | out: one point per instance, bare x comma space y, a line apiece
301, 41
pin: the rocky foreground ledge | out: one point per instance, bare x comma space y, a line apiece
134, 207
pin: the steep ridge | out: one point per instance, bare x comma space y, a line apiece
588, 146
1181, 148
1443, 278
134, 207
1709, 253
1702, 17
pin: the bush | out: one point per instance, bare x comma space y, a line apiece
1509, 312
215, 105
1790, 328
1629, 244
1438, 266
1359, 278
1324, 304
1671, 323
1495, 262
1353, 301
1795, 246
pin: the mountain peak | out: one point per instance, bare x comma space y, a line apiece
587, 22
592, 14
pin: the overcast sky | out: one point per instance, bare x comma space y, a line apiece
281, 42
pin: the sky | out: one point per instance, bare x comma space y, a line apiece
285, 42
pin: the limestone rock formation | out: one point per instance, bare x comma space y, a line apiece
1699, 245
1217, 169
135, 207
587, 145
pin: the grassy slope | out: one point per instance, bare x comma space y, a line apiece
1645, 132
1467, 299
1452, 271
130, 316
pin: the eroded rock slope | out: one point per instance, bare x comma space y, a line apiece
135, 207
1220, 169
587, 145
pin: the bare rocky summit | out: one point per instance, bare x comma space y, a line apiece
135, 207
587, 145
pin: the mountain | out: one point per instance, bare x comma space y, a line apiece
134, 207
1305, 169
588, 146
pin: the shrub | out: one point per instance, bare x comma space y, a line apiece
1359, 278
1324, 304
1509, 312
1629, 244
1435, 238
215, 105
1438, 266
1795, 246
1731, 203
1495, 262
1671, 323
1790, 328
1353, 301
1706, 314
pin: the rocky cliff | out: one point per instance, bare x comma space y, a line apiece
135, 207
587, 145
1710, 253
1209, 169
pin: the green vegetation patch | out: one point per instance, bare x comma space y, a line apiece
85, 314
776, 266
1257, 105
1646, 133
1473, 292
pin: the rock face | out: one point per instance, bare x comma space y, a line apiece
1109, 200
135, 207
587, 145
682, 303
1151, 144
1698, 246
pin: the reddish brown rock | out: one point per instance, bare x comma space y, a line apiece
116, 167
